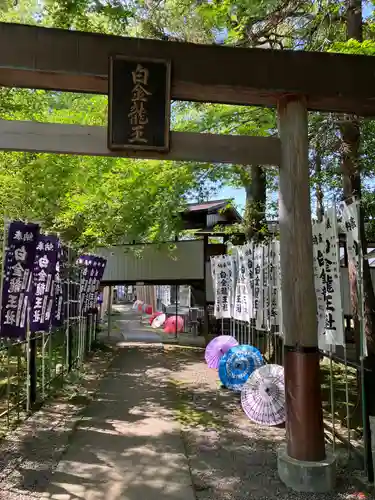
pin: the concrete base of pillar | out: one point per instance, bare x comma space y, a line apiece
309, 477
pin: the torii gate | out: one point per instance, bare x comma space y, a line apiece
294, 82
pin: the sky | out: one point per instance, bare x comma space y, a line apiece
237, 194
367, 9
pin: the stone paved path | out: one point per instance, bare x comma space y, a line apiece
132, 330
128, 444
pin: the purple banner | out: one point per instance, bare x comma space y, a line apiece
44, 287
17, 269
84, 262
102, 265
91, 274
96, 275
58, 302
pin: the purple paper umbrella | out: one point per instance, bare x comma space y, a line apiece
217, 348
263, 395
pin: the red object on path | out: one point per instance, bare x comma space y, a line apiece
170, 324
148, 309
155, 315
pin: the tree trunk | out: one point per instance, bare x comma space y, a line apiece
255, 208
354, 25
351, 174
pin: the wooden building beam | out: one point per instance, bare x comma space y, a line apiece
92, 141
65, 60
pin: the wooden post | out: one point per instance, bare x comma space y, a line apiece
109, 310
305, 434
153, 298
105, 302
176, 304
206, 317
32, 370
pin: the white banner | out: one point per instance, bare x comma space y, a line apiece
214, 267
350, 221
279, 288
258, 286
163, 294
351, 228
230, 261
223, 274
249, 265
265, 286
241, 305
184, 296
318, 262
275, 284
326, 254
334, 327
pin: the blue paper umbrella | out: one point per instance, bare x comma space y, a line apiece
238, 364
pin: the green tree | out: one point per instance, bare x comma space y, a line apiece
88, 200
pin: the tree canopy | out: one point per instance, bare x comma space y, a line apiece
105, 200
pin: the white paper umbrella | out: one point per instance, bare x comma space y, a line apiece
159, 321
135, 305
263, 395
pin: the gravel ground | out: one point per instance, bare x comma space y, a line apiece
230, 458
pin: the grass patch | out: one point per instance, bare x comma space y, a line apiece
52, 377
176, 383
186, 412
190, 417
342, 402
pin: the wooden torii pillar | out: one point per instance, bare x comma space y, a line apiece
304, 464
